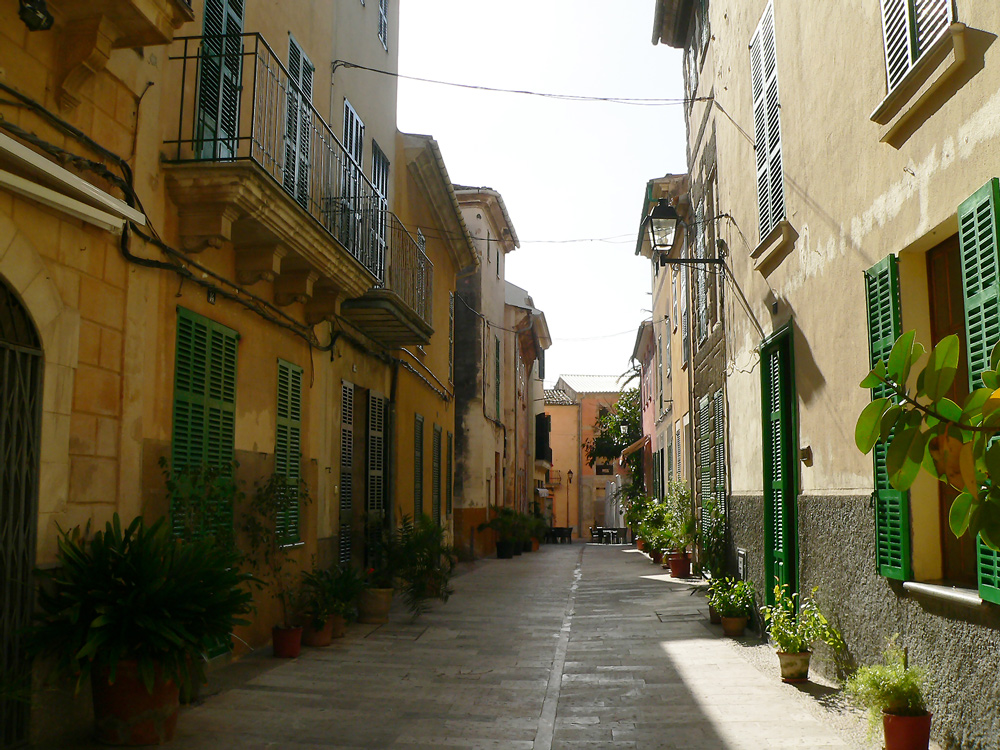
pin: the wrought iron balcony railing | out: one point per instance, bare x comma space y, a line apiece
239, 102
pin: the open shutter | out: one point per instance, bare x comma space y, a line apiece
436, 476
288, 447
346, 470
204, 429
376, 454
298, 123
418, 465
449, 478
767, 125
978, 233
719, 450
892, 507
704, 449
383, 23
219, 75
909, 29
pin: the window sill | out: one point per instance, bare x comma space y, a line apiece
930, 73
773, 248
951, 594
293, 545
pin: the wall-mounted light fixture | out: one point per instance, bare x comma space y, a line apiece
35, 15
661, 225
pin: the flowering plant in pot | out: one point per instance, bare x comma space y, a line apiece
329, 602
794, 625
134, 610
733, 600
894, 691
272, 535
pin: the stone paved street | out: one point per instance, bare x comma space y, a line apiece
581, 646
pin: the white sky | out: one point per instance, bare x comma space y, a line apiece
566, 170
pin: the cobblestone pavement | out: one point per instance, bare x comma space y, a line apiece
575, 646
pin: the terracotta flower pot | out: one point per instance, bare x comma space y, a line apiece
713, 616
287, 642
640, 544
318, 637
907, 732
126, 713
680, 565
794, 667
734, 626
657, 556
373, 606
534, 544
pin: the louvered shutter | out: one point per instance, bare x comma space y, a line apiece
376, 455
350, 188
346, 470
418, 465
719, 450
779, 479
496, 380
288, 448
656, 476
383, 23
449, 476
704, 448
219, 77
892, 507
909, 29
298, 124
668, 453
436, 476
978, 233
701, 277
204, 409
678, 470
767, 125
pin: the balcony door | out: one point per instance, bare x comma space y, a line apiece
219, 76
298, 123
352, 180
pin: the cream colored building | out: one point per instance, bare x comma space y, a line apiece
857, 196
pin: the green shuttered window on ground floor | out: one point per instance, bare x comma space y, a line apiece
288, 447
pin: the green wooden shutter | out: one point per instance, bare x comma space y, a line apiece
436, 475
719, 450
346, 470
779, 468
668, 452
978, 233
449, 479
204, 409
376, 454
418, 465
656, 476
288, 447
298, 123
220, 73
704, 448
892, 507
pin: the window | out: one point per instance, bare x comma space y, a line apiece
220, 69
451, 337
383, 23
496, 380
701, 276
288, 447
377, 407
669, 452
712, 448
349, 226
298, 123
449, 475
667, 355
767, 126
909, 29
966, 274
436, 475
346, 470
673, 295
418, 465
380, 181
204, 428
678, 470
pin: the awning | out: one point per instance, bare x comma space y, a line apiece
640, 443
542, 492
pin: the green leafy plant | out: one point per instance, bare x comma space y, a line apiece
387, 556
925, 429
795, 624
137, 593
331, 591
427, 563
892, 687
680, 516
732, 598
507, 523
713, 538
201, 498
271, 504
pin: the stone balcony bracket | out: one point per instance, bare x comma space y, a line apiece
260, 263
294, 286
774, 248
324, 304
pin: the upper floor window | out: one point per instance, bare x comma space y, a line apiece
767, 126
909, 29
383, 23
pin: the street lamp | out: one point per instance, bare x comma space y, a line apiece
569, 477
662, 225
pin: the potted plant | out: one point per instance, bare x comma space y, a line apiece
271, 545
733, 600
386, 560
505, 524
134, 610
427, 562
329, 601
712, 538
793, 626
683, 529
713, 613
895, 691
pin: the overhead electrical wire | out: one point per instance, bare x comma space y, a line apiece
635, 101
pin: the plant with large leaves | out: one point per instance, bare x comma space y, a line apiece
136, 593
925, 429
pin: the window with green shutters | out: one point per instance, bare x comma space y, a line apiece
377, 407
219, 78
979, 235
346, 472
204, 409
719, 449
418, 465
892, 507
436, 475
705, 430
288, 446
449, 478
656, 475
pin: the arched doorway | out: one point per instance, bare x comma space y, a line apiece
20, 428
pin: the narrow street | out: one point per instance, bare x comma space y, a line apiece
581, 646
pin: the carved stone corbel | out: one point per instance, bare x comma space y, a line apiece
325, 305
294, 286
86, 46
259, 262
206, 225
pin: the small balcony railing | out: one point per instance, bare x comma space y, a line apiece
238, 102
553, 477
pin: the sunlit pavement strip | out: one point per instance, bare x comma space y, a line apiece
518, 659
